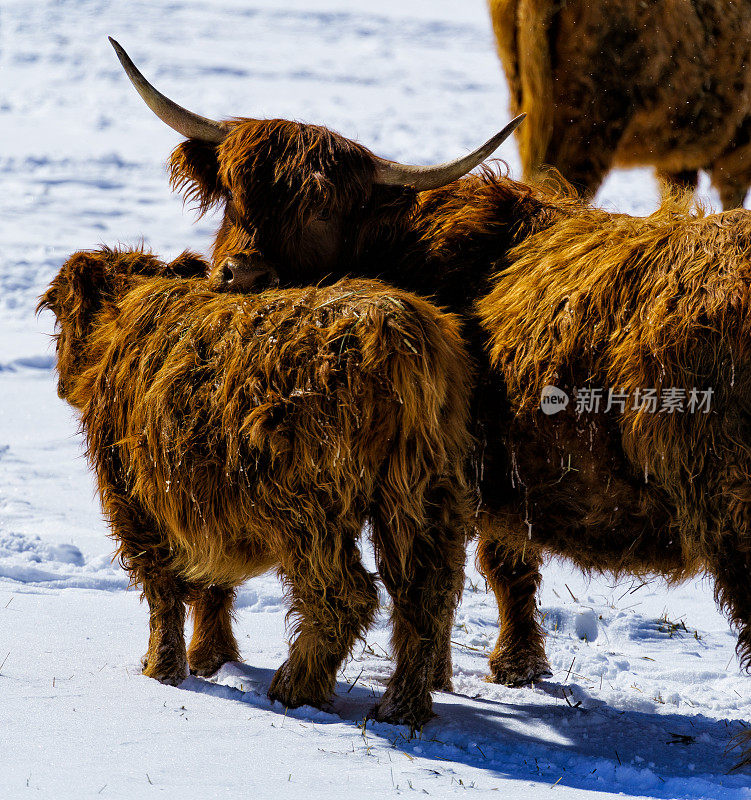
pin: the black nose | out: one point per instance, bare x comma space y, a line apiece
228, 270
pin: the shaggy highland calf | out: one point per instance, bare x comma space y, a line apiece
231, 435
548, 286
610, 83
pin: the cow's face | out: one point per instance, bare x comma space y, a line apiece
292, 194
296, 197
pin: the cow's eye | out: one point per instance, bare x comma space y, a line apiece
324, 214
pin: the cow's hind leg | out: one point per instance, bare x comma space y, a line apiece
733, 591
424, 580
587, 131
731, 172
443, 670
213, 642
143, 551
166, 659
732, 188
731, 570
514, 576
334, 599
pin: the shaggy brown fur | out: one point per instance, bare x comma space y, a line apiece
611, 301
625, 83
620, 493
292, 195
231, 435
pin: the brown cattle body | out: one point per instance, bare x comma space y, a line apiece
449, 243
610, 83
231, 435
614, 510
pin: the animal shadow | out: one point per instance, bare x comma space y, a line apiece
554, 737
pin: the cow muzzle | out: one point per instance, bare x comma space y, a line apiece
243, 272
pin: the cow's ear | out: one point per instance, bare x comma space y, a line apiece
79, 286
88, 272
194, 172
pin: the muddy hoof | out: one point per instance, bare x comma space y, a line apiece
171, 669
442, 684
170, 676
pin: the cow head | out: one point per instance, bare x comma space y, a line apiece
89, 283
293, 194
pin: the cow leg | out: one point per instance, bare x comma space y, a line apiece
731, 172
443, 670
731, 188
213, 642
425, 584
731, 574
588, 123
730, 565
519, 654
143, 551
166, 659
685, 180
583, 147
732, 592
334, 599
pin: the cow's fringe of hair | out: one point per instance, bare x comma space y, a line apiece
200, 171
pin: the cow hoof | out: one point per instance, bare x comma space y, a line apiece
286, 690
204, 667
168, 678
414, 716
443, 685
168, 674
205, 672
517, 674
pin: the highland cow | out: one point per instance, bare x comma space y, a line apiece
231, 435
312, 189
655, 300
622, 83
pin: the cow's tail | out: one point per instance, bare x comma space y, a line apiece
522, 34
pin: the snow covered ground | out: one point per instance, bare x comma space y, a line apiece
646, 692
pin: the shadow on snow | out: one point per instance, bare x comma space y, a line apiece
549, 741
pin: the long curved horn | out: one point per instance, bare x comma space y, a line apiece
185, 122
391, 173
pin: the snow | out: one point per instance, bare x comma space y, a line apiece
585, 624
645, 693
